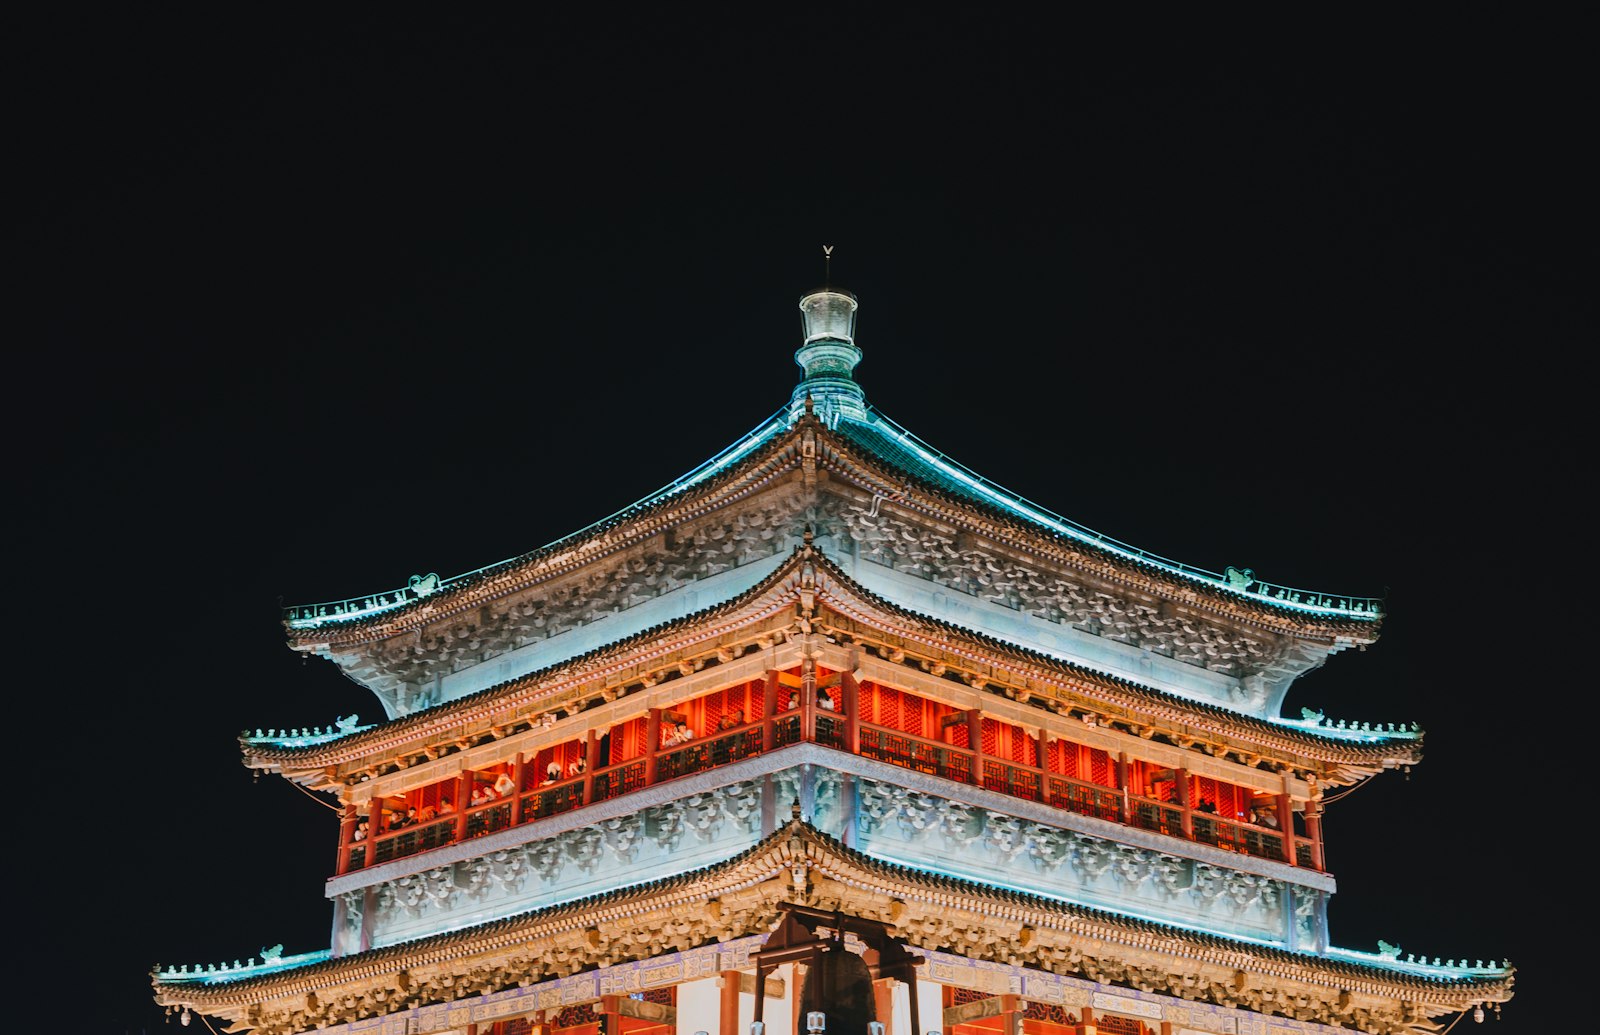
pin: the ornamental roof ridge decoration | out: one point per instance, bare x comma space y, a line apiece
849, 599
360, 619
806, 865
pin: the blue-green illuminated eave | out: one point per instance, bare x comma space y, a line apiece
882, 437
304, 617
207, 974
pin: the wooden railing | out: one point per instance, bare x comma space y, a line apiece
834, 730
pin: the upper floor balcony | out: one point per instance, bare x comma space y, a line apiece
832, 710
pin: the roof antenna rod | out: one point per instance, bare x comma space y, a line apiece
827, 265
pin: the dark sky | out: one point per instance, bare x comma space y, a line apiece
313, 306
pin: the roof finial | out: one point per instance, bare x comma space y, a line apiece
827, 266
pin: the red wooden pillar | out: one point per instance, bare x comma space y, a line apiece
850, 692
591, 758
1010, 1015
463, 799
883, 1001
729, 1016
610, 1015
519, 769
652, 744
769, 711
975, 744
1285, 813
808, 710
1185, 802
1088, 1025
1314, 833
347, 836
1123, 770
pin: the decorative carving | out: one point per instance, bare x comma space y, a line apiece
958, 564
404, 670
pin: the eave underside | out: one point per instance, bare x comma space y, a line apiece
808, 607
803, 452
741, 898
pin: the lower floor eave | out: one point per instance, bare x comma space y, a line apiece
724, 904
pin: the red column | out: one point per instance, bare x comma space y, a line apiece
652, 744
347, 833
1010, 1015
591, 757
1285, 813
850, 692
519, 768
610, 1015
769, 711
1122, 786
883, 1001
1314, 833
1186, 802
463, 799
975, 744
729, 1019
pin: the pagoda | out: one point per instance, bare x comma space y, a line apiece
833, 734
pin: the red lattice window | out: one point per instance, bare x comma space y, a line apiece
575, 1017
991, 737
1113, 1025
1050, 1013
667, 996
1101, 769
963, 996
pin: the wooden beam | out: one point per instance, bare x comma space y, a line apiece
657, 1013
747, 985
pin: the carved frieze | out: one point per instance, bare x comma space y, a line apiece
920, 828
702, 826
404, 670
962, 564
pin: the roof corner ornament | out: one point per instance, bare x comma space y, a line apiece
1387, 951
1239, 578
423, 585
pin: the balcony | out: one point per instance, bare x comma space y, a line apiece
529, 796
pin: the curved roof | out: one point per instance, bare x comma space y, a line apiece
909, 462
1439, 989
1356, 748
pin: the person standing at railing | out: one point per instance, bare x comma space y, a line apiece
504, 785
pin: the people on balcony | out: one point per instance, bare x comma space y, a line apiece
1265, 816
824, 701
446, 806
504, 785
576, 767
361, 831
552, 772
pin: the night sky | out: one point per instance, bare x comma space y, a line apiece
313, 306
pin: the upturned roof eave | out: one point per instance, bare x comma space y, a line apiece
848, 600
799, 842
465, 592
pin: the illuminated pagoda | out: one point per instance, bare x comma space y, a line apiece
832, 731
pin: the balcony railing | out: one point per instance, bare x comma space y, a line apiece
834, 730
